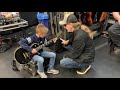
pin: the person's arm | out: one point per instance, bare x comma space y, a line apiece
69, 39
116, 15
24, 43
71, 35
64, 42
78, 47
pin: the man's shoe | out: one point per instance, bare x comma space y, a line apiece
84, 70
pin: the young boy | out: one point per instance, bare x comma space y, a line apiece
39, 38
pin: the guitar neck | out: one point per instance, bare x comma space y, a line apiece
43, 45
48, 42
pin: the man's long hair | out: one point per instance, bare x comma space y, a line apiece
85, 28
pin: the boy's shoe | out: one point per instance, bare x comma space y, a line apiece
53, 71
42, 74
84, 70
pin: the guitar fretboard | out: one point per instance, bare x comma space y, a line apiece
48, 42
43, 45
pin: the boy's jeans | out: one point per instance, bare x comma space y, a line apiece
40, 60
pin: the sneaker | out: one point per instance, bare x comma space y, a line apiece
84, 70
42, 74
53, 71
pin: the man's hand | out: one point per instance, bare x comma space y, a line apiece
55, 39
65, 42
34, 51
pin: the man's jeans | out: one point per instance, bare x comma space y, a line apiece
40, 60
69, 63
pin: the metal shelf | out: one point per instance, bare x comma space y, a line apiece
22, 23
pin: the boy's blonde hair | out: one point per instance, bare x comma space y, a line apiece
40, 28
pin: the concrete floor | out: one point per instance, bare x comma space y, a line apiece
104, 66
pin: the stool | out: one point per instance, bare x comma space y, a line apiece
31, 67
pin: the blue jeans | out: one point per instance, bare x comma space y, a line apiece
40, 60
69, 63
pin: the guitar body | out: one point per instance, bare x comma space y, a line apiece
23, 56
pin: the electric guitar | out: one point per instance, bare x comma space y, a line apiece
23, 56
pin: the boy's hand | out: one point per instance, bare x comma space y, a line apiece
34, 51
55, 39
65, 42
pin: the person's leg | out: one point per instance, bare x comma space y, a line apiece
114, 36
52, 57
40, 61
69, 63
114, 28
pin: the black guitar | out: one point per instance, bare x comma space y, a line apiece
23, 56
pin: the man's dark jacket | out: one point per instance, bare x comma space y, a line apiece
83, 47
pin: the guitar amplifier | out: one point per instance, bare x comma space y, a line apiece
30, 17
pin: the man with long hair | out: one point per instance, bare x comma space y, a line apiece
82, 54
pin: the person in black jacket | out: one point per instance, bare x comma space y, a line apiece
82, 54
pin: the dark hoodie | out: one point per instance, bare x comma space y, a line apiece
26, 42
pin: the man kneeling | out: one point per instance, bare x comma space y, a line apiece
82, 53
